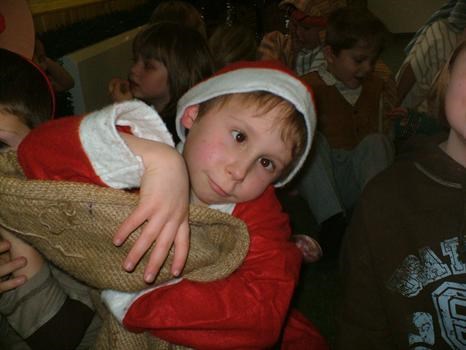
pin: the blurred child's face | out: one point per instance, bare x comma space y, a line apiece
304, 36
455, 98
351, 66
149, 82
12, 130
233, 152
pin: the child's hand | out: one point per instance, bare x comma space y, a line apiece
398, 113
119, 90
309, 247
8, 267
19, 259
163, 203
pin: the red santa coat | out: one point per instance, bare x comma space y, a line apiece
245, 310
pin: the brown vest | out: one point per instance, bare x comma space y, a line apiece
345, 125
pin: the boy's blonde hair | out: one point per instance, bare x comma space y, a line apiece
291, 121
436, 101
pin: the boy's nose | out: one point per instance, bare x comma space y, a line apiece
368, 66
237, 170
135, 67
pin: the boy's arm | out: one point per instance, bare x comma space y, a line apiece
34, 303
164, 207
245, 310
90, 149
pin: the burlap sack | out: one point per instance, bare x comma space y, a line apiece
72, 225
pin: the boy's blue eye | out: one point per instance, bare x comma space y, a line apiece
267, 164
238, 136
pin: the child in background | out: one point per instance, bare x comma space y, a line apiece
234, 152
427, 53
27, 100
179, 12
231, 43
404, 256
301, 46
169, 58
351, 146
61, 80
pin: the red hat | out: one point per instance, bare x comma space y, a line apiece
249, 76
16, 27
312, 13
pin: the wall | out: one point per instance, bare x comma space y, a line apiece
404, 16
53, 14
93, 67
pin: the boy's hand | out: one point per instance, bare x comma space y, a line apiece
8, 266
119, 90
309, 247
19, 259
163, 204
398, 113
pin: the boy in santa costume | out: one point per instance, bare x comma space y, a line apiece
250, 128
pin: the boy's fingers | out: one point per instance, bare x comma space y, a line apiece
12, 283
181, 249
124, 87
131, 223
160, 252
11, 266
148, 235
4, 246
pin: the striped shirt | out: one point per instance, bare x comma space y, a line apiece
428, 55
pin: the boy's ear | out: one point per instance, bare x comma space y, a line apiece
328, 54
189, 116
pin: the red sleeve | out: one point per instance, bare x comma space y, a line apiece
245, 310
53, 151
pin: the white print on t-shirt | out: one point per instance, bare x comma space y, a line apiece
416, 272
449, 299
450, 304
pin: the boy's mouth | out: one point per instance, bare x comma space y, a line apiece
217, 189
360, 78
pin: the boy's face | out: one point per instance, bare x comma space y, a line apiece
455, 98
351, 66
233, 152
304, 36
12, 130
149, 81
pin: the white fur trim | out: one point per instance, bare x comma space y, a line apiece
108, 153
252, 79
119, 302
